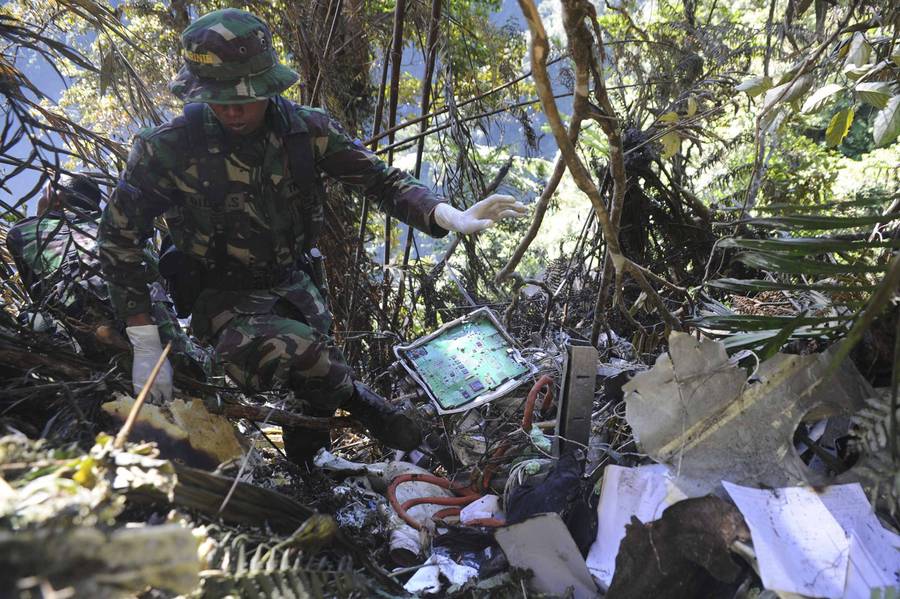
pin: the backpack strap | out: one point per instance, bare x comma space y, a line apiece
298, 146
301, 161
213, 179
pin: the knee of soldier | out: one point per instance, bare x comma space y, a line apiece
257, 364
323, 379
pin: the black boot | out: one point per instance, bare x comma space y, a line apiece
302, 444
385, 422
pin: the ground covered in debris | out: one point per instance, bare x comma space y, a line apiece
588, 473
677, 378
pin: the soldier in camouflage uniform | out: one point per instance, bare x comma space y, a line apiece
225, 177
56, 256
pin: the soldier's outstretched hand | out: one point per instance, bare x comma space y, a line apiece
480, 216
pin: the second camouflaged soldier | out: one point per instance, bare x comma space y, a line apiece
238, 180
56, 256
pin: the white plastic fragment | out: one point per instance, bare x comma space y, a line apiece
543, 545
428, 578
328, 461
486, 507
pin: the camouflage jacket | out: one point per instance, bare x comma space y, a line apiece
266, 214
56, 256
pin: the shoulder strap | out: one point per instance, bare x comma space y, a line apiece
298, 146
213, 178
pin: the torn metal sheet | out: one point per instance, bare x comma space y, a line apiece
697, 412
466, 363
331, 463
543, 545
468, 442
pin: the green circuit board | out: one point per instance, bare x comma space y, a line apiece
465, 362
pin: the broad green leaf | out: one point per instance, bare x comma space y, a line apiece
896, 56
773, 345
748, 285
748, 322
806, 245
836, 206
754, 86
107, 71
669, 117
854, 73
737, 341
790, 73
787, 92
714, 307
859, 52
671, 142
886, 125
821, 222
691, 106
876, 93
799, 266
821, 97
839, 127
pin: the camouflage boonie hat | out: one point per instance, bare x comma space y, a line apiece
229, 59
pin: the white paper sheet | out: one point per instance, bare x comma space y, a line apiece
873, 543
643, 492
800, 546
864, 573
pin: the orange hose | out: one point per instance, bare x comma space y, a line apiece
438, 500
544, 382
467, 494
425, 478
447, 511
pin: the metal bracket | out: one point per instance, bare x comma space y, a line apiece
576, 399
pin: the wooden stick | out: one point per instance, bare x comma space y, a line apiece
142, 396
282, 417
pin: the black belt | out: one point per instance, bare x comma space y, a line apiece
247, 279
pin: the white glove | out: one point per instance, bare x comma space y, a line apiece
480, 216
147, 350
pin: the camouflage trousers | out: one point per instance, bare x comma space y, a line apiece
267, 351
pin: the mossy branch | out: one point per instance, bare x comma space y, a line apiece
575, 12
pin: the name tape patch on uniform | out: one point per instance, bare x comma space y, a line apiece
205, 58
